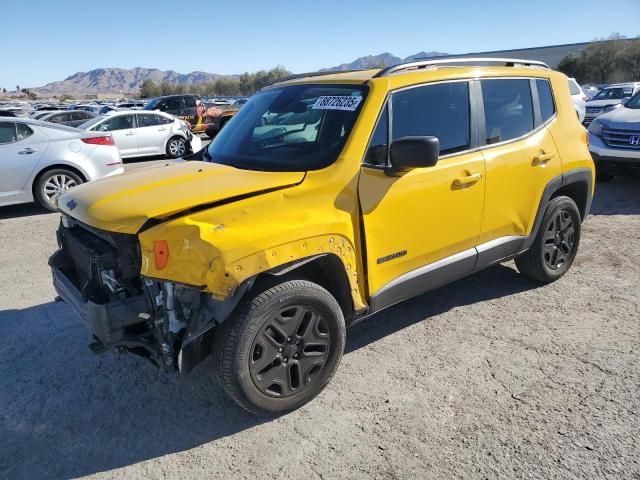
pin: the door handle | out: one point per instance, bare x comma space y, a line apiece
128, 134
162, 129
27, 151
468, 180
542, 158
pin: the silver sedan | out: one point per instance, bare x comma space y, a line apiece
39, 160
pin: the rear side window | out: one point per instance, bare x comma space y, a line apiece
545, 97
440, 110
508, 109
7, 132
378, 147
121, 122
147, 120
574, 88
190, 102
23, 131
163, 120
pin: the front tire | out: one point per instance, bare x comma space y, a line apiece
54, 183
556, 242
176, 147
281, 349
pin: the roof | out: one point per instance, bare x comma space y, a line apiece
455, 67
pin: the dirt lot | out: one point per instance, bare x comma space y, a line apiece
491, 377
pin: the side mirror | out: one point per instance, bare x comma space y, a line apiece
414, 152
624, 101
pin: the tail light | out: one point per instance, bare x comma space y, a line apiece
160, 253
104, 140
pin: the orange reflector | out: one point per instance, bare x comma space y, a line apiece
585, 138
161, 253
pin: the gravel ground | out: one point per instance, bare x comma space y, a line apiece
490, 377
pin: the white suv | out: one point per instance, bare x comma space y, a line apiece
579, 98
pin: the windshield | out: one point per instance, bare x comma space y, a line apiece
291, 128
617, 93
152, 104
634, 102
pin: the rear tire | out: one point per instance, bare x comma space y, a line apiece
53, 183
281, 348
556, 242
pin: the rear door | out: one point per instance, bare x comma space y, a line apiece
123, 130
152, 133
520, 154
20, 150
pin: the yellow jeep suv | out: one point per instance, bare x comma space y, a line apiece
326, 199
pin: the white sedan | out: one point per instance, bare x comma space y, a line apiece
41, 160
141, 134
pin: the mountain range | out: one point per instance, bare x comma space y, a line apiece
119, 80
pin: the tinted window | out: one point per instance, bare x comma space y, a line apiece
121, 122
148, 120
7, 132
441, 110
163, 120
190, 102
508, 109
377, 152
173, 104
547, 107
574, 89
23, 131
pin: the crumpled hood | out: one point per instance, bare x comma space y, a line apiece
125, 202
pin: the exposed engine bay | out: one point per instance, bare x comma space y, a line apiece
97, 273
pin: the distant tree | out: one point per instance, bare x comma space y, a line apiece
574, 66
602, 58
4, 90
18, 87
149, 89
629, 60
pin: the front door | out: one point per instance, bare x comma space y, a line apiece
421, 227
20, 150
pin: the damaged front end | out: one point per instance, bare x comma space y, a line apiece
98, 273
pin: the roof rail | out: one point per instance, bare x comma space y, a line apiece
310, 74
457, 61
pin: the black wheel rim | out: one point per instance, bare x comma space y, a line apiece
290, 351
559, 240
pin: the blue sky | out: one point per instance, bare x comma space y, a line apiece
43, 41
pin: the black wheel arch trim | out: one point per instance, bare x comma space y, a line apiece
572, 177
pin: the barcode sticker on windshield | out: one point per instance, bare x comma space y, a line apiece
342, 102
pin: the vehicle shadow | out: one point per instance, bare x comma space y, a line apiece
22, 210
495, 282
621, 196
68, 413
